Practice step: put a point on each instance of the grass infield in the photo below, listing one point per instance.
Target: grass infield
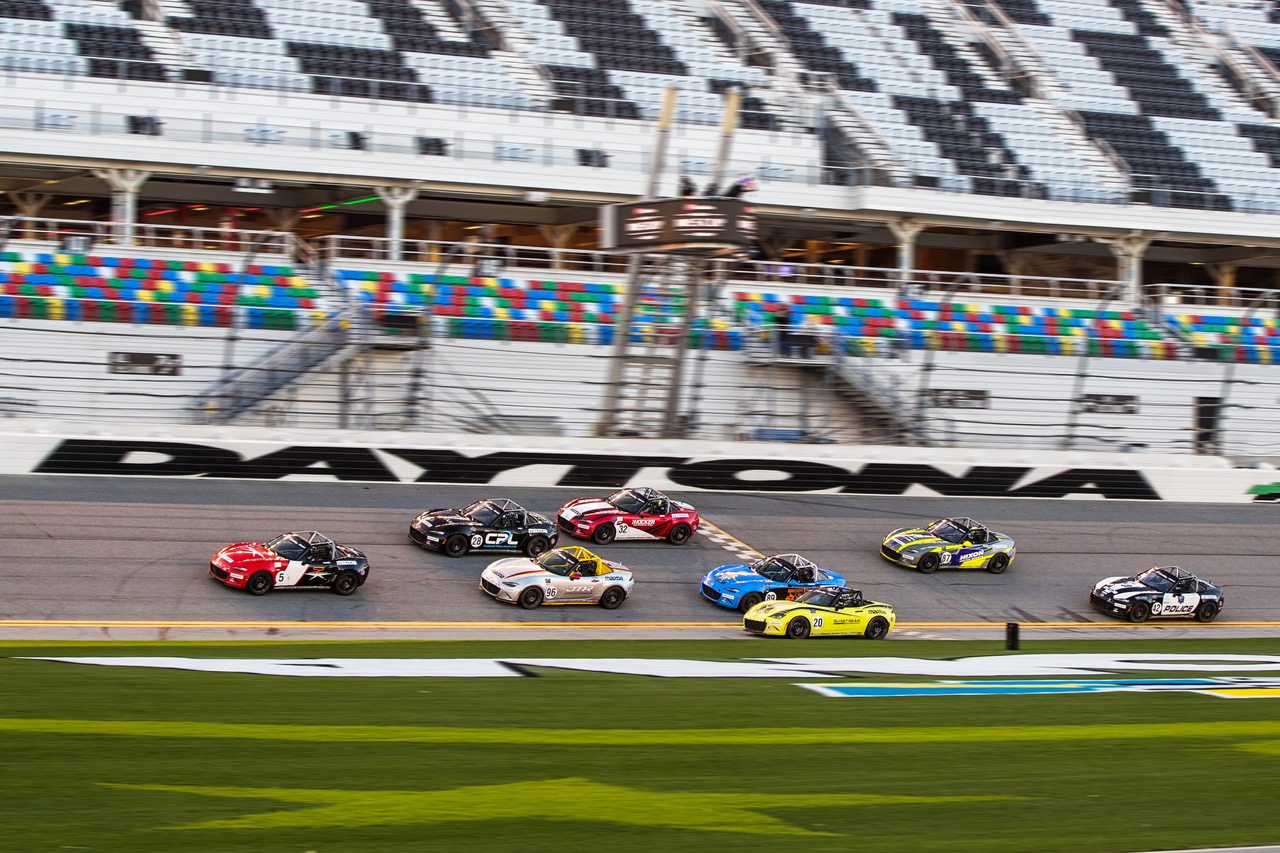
(140, 760)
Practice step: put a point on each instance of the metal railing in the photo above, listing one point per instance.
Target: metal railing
(155, 236)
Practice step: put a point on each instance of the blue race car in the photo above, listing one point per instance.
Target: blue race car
(778, 578)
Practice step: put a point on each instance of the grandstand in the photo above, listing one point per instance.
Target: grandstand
(350, 189)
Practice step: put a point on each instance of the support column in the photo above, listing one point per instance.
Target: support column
(1224, 276)
(906, 231)
(124, 184)
(1129, 252)
(282, 218)
(396, 199)
(29, 205)
(559, 236)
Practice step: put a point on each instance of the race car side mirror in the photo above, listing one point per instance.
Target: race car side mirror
(575, 576)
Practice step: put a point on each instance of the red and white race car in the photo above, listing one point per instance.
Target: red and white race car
(300, 560)
(629, 514)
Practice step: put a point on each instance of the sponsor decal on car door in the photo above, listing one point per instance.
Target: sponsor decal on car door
(290, 574)
(1176, 604)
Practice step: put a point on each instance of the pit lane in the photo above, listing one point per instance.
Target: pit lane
(97, 555)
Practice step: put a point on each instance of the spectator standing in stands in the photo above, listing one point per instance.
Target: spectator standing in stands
(687, 187)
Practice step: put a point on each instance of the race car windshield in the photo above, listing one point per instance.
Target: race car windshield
(818, 598)
(771, 569)
(946, 530)
(626, 501)
(557, 563)
(1157, 580)
(288, 546)
(481, 512)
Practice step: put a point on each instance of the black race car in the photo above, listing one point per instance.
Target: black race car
(1163, 592)
(487, 525)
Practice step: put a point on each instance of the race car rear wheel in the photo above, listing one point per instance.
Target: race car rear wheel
(749, 601)
(604, 534)
(877, 629)
(1207, 611)
(536, 545)
(929, 564)
(679, 534)
(798, 628)
(259, 583)
(530, 597)
(346, 583)
(612, 598)
(1140, 612)
(456, 546)
(998, 563)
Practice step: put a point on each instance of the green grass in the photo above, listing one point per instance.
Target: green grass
(140, 760)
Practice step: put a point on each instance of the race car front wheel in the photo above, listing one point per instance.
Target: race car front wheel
(877, 629)
(998, 563)
(456, 546)
(798, 628)
(679, 534)
(1140, 612)
(536, 545)
(345, 583)
(530, 598)
(929, 564)
(749, 601)
(1207, 611)
(612, 598)
(604, 534)
(259, 583)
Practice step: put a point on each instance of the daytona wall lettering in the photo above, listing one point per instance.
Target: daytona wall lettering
(366, 464)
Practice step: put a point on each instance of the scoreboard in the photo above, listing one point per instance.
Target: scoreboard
(694, 225)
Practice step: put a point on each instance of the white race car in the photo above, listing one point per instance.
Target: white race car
(570, 575)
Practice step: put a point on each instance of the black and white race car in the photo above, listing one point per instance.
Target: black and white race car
(486, 525)
(1163, 592)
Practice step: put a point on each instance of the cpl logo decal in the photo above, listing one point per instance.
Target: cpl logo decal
(476, 540)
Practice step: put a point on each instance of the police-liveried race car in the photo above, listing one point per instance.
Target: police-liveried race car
(1163, 592)
(641, 513)
(305, 560)
(956, 543)
(570, 575)
(827, 611)
(486, 525)
(782, 576)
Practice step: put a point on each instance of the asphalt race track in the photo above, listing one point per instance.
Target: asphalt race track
(114, 549)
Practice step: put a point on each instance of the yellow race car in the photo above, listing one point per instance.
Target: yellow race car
(829, 611)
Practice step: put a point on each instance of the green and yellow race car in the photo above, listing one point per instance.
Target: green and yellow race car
(828, 611)
(950, 543)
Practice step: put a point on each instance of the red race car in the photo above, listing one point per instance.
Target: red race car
(300, 560)
(629, 514)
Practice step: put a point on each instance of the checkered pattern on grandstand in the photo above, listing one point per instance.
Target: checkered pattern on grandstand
(1132, 70)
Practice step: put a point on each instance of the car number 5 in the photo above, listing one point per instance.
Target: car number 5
(279, 577)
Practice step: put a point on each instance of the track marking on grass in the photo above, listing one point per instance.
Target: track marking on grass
(637, 737)
(729, 542)
(577, 800)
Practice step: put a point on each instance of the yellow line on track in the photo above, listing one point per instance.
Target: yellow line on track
(901, 626)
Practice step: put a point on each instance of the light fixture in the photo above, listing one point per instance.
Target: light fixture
(313, 216)
(77, 201)
(252, 185)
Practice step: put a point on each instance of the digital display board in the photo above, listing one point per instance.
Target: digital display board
(678, 225)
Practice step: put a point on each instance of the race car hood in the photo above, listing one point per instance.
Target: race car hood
(247, 553)
(589, 508)
(345, 553)
(1119, 586)
(441, 518)
(908, 536)
(510, 567)
(735, 576)
(775, 609)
